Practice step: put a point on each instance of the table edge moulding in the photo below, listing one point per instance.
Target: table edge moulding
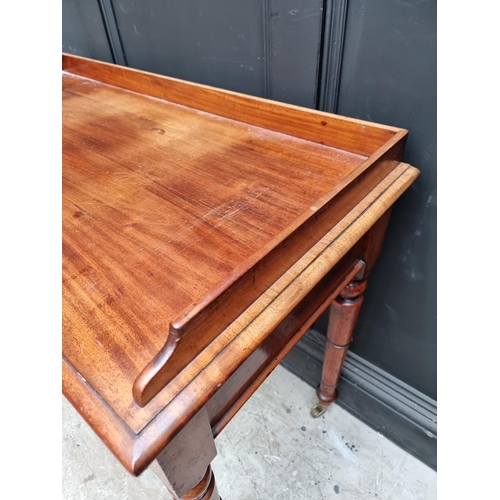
(204, 231)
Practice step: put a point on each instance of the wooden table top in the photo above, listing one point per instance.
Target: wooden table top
(182, 205)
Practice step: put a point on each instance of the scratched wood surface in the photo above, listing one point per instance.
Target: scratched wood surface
(160, 204)
(183, 205)
(173, 408)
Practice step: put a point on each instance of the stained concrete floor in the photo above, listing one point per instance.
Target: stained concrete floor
(272, 449)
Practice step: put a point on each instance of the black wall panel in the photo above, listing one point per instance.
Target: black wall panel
(369, 59)
(83, 31)
(217, 43)
(294, 47)
(389, 76)
(268, 49)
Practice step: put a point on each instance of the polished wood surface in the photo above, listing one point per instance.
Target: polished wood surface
(205, 490)
(343, 316)
(348, 134)
(203, 232)
(184, 464)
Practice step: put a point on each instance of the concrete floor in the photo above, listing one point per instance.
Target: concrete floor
(272, 449)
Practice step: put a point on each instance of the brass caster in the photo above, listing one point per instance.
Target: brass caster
(318, 410)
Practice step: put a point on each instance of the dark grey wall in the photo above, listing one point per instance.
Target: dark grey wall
(389, 76)
(374, 60)
(83, 31)
(249, 47)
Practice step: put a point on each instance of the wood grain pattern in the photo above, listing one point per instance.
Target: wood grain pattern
(343, 316)
(200, 380)
(206, 319)
(316, 126)
(203, 231)
(143, 222)
(252, 373)
(183, 464)
(218, 180)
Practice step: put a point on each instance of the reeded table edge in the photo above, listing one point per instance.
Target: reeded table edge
(157, 373)
(137, 451)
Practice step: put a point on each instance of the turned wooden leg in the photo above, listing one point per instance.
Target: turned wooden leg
(344, 313)
(184, 464)
(205, 490)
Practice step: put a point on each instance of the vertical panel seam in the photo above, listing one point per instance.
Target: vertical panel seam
(112, 32)
(332, 51)
(266, 20)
